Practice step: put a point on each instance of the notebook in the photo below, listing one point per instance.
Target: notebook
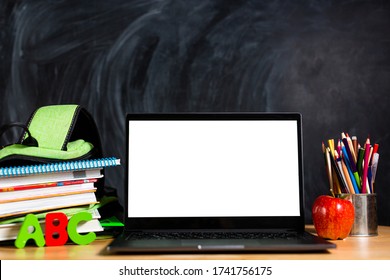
(214, 182)
(57, 166)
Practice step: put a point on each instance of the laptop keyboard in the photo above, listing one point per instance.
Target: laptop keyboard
(212, 235)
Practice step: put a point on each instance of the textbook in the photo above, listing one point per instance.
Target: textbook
(48, 203)
(45, 192)
(8, 183)
(55, 167)
(45, 185)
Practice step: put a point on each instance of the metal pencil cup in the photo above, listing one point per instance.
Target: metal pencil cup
(365, 223)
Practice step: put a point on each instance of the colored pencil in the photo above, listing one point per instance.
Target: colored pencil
(331, 146)
(328, 168)
(348, 143)
(365, 165)
(341, 186)
(347, 178)
(355, 145)
(359, 164)
(351, 167)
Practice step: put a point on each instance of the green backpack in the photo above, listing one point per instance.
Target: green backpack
(53, 133)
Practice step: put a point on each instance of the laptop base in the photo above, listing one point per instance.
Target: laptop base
(306, 242)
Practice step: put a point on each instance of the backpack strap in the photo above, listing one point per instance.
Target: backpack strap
(52, 125)
(62, 132)
(56, 125)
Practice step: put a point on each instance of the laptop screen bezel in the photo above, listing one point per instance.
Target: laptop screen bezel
(217, 223)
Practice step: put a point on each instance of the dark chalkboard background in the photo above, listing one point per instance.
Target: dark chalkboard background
(329, 60)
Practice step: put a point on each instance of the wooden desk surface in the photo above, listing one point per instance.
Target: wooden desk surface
(352, 248)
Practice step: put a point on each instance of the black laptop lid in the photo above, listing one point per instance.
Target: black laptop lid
(214, 171)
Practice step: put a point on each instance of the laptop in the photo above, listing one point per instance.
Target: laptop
(214, 182)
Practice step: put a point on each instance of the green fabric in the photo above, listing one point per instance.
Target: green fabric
(76, 149)
(51, 124)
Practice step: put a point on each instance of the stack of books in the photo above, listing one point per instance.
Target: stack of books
(68, 187)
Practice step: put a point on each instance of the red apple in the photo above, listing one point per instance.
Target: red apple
(333, 217)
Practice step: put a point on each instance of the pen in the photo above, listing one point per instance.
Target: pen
(375, 148)
(369, 178)
(374, 167)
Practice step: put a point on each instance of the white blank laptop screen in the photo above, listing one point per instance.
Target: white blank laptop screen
(223, 168)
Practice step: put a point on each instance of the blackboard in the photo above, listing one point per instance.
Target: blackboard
(329, 60)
